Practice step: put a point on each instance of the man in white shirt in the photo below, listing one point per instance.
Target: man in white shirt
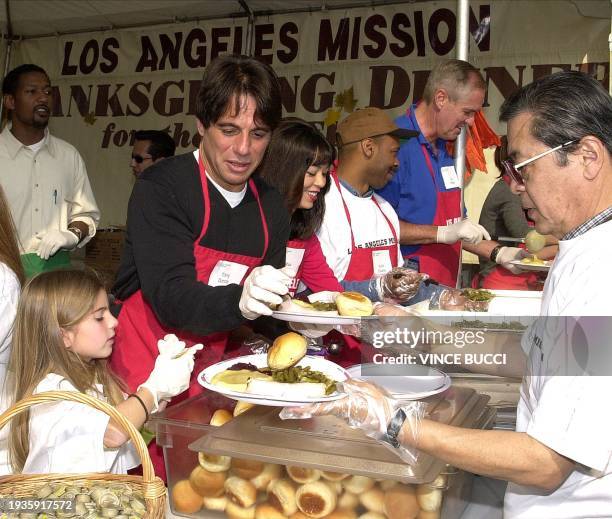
(44, 177)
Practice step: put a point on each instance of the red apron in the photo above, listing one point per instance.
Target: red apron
(361, 267)
(139, 330)
(439, 260)
(295, 258)
(502, 279)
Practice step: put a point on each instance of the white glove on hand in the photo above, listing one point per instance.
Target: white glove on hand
(55, 240)
(465, 230)
(171, 373)
(264, 287)
(508, 254)
(171, 346)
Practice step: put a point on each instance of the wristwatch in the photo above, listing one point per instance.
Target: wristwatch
(494, 253)
(394, 427)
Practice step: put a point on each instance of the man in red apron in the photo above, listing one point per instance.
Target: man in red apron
(426, 192)
(199, 229)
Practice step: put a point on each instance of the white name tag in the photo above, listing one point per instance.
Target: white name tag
(226, 273)
(381, 262)
(450, 177)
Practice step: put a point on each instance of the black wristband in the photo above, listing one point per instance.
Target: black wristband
(144, 407)
(394, 427)
(494, 253)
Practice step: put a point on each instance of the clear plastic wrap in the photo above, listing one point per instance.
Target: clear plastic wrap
(398, 285)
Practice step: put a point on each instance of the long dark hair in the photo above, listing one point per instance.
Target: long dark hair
(295, 146)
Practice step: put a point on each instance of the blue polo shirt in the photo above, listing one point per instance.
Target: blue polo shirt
(411, 191)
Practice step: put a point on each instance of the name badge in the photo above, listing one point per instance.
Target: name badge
(450, 177)
(381, 262)
(226, 273)
(293, 258)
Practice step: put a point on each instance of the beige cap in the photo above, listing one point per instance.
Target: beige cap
(369, 122)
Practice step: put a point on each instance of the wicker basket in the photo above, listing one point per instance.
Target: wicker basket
(27, 485)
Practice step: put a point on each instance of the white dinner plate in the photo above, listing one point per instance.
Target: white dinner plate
(416, 381)
(260, 360)
(316, 318)
(531, 266)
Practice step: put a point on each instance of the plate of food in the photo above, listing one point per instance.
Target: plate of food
(284, 376)
(332, 308)
(405, 382)
(533, 263)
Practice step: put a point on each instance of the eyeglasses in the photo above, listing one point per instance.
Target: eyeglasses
(512, 170)
(139, 159)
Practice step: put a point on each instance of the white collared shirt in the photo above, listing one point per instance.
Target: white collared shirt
(46, 189)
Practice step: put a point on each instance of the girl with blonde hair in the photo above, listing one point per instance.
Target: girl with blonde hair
(64, 334)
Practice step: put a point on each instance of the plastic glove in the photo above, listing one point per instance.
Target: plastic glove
(264, 287)
(171, 374)
(465, 230)
(398, 285)
(170, 345)
(54, 240)
(508, 254)
(369, 408)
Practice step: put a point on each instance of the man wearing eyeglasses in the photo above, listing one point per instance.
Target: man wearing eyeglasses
(426, 191)
(150, 146)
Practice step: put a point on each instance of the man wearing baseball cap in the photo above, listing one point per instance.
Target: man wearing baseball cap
(360, 231)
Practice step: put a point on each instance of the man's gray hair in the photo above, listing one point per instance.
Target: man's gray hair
(455, 76)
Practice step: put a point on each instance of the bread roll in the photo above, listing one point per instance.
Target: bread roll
(429, 515)
(336, 486)
(348, 501)
(220, 417)
(342, 513)
(302, 474)
(240, 491)
(269, 473)
(401, 503)
(373, 500)
(354, 304)
(298, 515)
(207, 484)
(267, 511)
(387, 484)
(358, 484)
(234, 511)
(241, 407)
(246, 469)
(214, 462)
(372, 515)
(185, 499)
(333, 476)
(281, 495)
(429, 499)
(316, 499)
(286, 351)
(215, 503)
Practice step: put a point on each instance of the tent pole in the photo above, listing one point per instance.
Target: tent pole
(463, 33)
(610, 47)
(250, 27)
(7, 54)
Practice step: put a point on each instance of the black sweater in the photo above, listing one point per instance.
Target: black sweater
(165, 217)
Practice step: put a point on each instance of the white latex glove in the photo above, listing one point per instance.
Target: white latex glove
(170, 346)
(508, 254)
(54, 240)
(264, 287)
(171, 374)
(465, 230)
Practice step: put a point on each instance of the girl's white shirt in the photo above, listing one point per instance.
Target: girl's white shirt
(69, 436)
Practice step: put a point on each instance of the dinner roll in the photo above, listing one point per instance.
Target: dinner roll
(286, 351)
(235, 511)
(298, 515)
(354, 304)
(372, 515)
(387, 484)
(342, 513)
(220, 417)
(333, 476)
(373, 500)
(267, 511)
(241, 407)
(348, 501)
(240, 491)
(281, 495)
(302, 474)
(215, 503)
(185, 499)
(401, 503)
(269, 473)
(316, 499)
(429, 515)
(429, 499)
(207, 484)
(246, 469)
(214, 462)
